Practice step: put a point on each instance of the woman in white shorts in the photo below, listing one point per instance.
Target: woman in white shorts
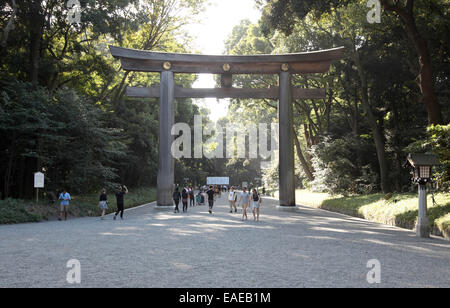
(256, 203)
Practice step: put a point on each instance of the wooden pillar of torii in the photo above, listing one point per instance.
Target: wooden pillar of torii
(283, 65)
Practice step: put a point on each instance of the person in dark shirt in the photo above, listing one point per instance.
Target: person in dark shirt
(123, 190)
(211, 196)
(202, 196)
(103, 202)
(191, 196)
(176, 199)
(256, 204)
(185, 198)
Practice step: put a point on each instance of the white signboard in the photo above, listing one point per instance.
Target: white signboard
(38, 180)
(218, 181)
(245, 184)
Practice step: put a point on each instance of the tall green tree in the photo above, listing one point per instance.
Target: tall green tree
(283, 15)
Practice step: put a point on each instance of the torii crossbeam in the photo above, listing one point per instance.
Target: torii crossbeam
(284, 65)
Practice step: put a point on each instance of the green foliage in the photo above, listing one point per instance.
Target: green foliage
(283, 14)
(62, 104)
(13, 211)
(338, 169)
(65, 137)
(357, 137)
(16, 211)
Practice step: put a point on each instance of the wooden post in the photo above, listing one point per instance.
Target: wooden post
(286, 145)
(166, 168)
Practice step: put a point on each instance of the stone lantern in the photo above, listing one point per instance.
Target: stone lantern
(422, 165)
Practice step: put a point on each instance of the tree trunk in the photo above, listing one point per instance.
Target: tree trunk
(375, 128)
(305, 165)
(120, 91)
(36, 32)
(9, 26)
(425, 77)
(8, 172)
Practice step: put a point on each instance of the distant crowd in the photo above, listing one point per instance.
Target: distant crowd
(189, 197)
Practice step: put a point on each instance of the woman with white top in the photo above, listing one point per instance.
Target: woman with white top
(232, 196)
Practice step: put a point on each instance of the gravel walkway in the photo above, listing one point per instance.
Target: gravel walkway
(156, 248)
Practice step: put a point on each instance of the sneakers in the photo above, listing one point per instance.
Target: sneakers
(114, 217)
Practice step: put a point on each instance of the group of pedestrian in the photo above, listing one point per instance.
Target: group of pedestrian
(247, 199)
(122, 190)
(188, 197)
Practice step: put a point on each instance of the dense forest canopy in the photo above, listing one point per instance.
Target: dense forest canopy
(381, 98)
(63, 108)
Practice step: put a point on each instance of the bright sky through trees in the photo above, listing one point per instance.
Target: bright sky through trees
(216, 23)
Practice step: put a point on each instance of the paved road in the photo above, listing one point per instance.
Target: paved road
(154, 248)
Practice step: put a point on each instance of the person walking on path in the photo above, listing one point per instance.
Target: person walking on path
(232, 196)
(184, 198)
(211, 198)
(217, 191)
(123, 190)
(245, 199)
(65, 198)
(256, 203)
(202, 197)
(176, 199)
(198, 197)
(191, 196)
(103, 202)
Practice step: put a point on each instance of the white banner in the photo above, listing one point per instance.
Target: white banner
(218, 181)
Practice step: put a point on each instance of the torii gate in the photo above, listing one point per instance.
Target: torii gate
(284, 65)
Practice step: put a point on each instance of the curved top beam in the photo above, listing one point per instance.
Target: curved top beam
(148, 61)
(321, 55)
